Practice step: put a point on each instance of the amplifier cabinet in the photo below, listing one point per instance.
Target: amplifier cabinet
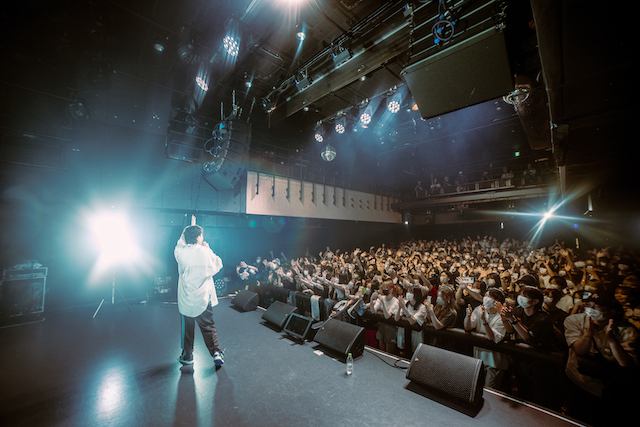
(20, 297)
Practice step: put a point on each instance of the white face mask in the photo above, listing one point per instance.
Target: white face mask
(523, 301)
(491, 282)
(593, 314)
(440, 301)
(488, 303)
(409, 296)
(562, 273)
(543, 271)
(548, 300)
(443, 279)
(579, 264)
(569, 284)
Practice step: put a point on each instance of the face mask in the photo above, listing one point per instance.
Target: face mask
(543, 271)
(553, 287)
(514, 276)
(569, 284)
(622, 267)
(488, 303)
(306, 273)
(593, 314)
(579, 264)
(562, 273)
(491, 282)
(443, 279)
(523, 301)
(548, 300)
(440, 301)
(409, 296)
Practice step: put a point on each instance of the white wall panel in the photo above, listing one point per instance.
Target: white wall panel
(276, 195)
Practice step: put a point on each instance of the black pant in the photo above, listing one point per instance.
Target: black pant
(209, 331)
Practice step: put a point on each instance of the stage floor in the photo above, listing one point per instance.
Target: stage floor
(121, 369)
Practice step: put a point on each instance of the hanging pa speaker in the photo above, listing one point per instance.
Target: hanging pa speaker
(458, 376)
(445, 82)
(278, 313)
(341, 338)
(246, 300)
(226, 171)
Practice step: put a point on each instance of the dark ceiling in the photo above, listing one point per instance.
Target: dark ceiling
(48, 46)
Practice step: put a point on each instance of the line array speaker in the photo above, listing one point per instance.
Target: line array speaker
(231, 154)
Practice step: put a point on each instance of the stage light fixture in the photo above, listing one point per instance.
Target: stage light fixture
(393, 106)
(202, 83)
(341, 125)
(319, 133)
(231, 45)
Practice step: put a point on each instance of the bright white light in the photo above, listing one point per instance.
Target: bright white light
(231, 45)
(394, 106)
(548, 215)
(319, 137)
(340, 128)
(365, 118)
(113, 237)
(301, 35)
(203, 85)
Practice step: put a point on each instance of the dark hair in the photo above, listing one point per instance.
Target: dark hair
(482, 285)
(418, 295)
(532, 292)
(496, 294)
(560, 281)
(191, 234)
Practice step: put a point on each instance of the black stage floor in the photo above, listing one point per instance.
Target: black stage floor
(121, 369)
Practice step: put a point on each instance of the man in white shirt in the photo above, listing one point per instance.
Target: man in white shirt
(197, 264)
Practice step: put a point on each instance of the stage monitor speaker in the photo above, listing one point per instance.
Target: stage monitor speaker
(298, 326)
(341, 337)
(458, 376)
(246, 300)
(278, 313)
(473, 71)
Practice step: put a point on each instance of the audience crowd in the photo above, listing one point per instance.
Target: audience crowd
(583, 307)
(535, 173)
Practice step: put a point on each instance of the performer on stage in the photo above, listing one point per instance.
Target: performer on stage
(197, 264)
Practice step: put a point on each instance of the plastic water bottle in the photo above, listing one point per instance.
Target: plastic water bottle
(349, 364)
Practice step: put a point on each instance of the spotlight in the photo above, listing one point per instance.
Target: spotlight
(319, 134)
(328, 153)
(366, 113)
(203, 84)
(231, 45)
(301, 35)
(393, 106)
(341, 125)
(365, 118)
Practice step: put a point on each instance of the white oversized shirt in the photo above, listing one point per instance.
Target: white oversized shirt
(197, 265)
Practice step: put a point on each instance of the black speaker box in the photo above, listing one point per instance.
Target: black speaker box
(278, 313)
(446, 81)
(455, 375)
(341, 338)
(232, 152)
(246, 300)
